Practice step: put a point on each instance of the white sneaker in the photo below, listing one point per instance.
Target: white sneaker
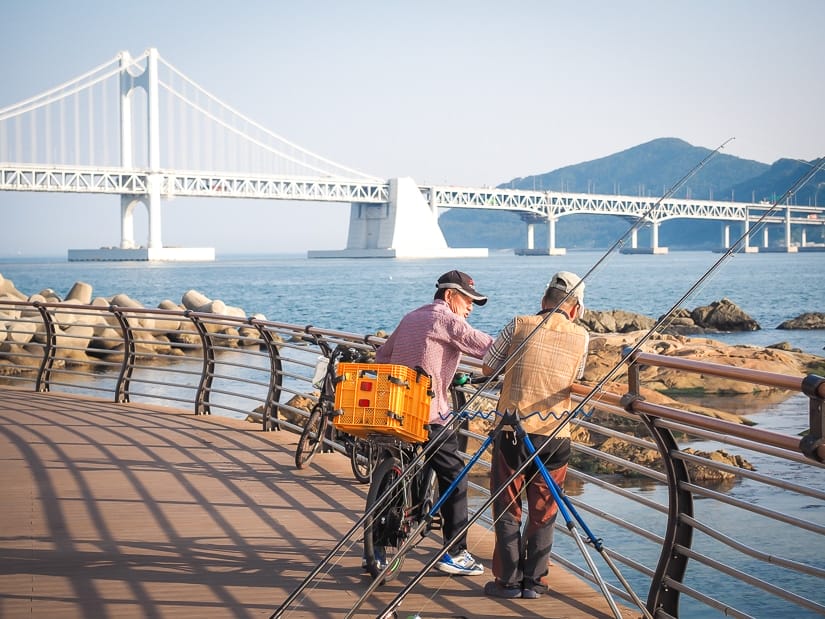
(462, 565)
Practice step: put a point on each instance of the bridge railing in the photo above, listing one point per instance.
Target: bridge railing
(699, 530)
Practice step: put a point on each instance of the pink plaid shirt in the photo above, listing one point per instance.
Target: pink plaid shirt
(432, 337)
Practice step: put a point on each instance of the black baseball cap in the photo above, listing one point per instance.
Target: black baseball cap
(463, 283)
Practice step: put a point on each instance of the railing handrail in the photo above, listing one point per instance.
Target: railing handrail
(721, 426)
(750, 375)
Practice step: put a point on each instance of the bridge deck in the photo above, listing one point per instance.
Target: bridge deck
(130, 510)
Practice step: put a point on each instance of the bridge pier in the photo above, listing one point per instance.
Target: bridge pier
(747, 247)
(551, 238)
(155, 240)
(654, 242)
(127, 221)
(152, 203)
(531, 219)
(405, 227)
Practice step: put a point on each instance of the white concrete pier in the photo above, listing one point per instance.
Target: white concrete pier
(143, 254)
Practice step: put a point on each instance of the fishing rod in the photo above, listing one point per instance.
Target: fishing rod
(563, 504)
(384, 498)
(616, 245)
(816, 166)
(453, 424)
(412, 538)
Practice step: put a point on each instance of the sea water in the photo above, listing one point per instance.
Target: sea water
(363, 296)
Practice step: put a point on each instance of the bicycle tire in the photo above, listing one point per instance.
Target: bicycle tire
(312, 435)
(363, 456)
(385, 529)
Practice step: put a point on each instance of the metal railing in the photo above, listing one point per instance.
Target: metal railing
(701, 533)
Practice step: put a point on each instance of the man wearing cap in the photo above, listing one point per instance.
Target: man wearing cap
(541, 356)
(433, 337)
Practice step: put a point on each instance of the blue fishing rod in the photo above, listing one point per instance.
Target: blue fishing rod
(454, 424)
(563, 502)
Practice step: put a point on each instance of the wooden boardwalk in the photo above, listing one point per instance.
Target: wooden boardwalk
(129, 510)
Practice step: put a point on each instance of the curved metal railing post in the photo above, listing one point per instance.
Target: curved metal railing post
(671, 565)
(208, 371)
(813, 443)
(44, 372)
(326, 350)
(273, 396)
(127, 366)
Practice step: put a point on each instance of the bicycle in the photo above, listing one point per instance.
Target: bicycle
(363, 457)
(388, 525)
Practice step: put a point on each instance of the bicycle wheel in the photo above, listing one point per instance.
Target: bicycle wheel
(363, 456)
(386, 528)
(312, 435)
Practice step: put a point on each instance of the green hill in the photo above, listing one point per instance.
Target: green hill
(649, 169)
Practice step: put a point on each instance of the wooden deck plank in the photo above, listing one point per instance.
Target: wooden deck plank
(131, 510)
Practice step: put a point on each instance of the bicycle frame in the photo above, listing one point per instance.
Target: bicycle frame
(404, 508)
(318, 433)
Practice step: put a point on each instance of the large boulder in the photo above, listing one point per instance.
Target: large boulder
(615, 321)
(168, 324)
(199, 302)
(808, 320)
(80, 293)
(723, 315)
(7, 289)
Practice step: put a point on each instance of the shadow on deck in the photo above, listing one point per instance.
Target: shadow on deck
(131, 510)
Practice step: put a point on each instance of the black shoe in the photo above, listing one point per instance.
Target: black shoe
(493, 589)
(530, 594)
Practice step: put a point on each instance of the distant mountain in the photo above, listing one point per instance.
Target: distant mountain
(649, 169)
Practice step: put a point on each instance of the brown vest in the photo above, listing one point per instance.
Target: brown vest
(539, 378)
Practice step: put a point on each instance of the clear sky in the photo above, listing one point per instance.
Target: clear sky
(448, 92)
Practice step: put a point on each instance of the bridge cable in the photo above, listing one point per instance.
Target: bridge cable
(254, 124)
(70, 82)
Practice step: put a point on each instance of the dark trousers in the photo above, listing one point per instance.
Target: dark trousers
(447, 464)
(520, 558)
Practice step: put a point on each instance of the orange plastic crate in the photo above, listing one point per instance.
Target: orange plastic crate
(384, 398)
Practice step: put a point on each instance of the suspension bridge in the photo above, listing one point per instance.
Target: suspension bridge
(138, 128)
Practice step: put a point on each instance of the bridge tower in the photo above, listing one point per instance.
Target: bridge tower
(132, 78)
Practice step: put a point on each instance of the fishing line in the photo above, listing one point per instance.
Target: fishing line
(627, 354)
(515, 355)
(453, 424)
